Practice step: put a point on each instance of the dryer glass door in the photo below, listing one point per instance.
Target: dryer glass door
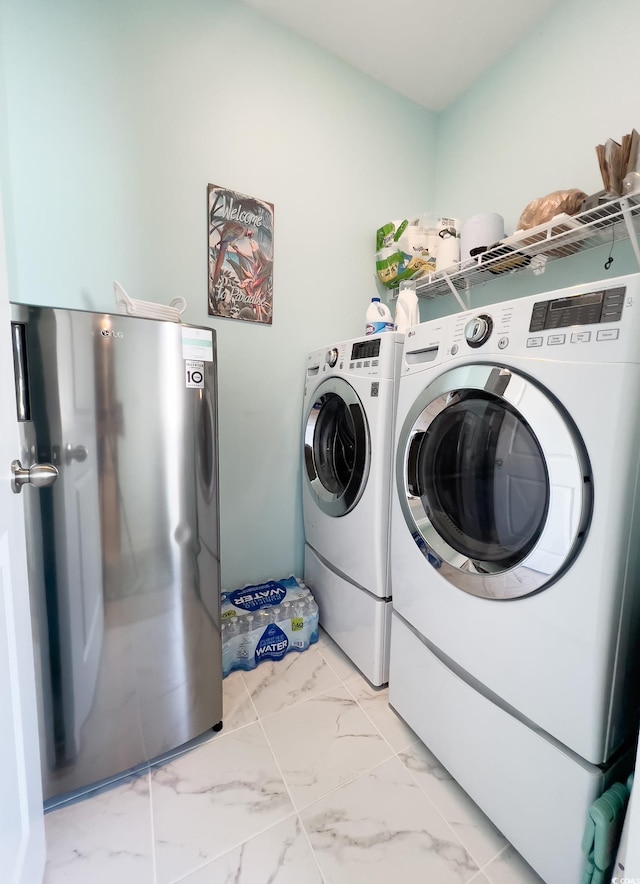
(336, 447)
(494, 481)
(483, 473)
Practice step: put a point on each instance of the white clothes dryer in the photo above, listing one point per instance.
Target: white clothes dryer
(348, 424)
(515, 555)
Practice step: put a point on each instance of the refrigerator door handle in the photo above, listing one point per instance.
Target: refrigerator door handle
(39, 474)
(20, 371)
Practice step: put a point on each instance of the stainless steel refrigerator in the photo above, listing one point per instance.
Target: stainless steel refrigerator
(122, 536)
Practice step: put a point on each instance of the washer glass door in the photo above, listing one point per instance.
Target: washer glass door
(336, 447)
(494, 481)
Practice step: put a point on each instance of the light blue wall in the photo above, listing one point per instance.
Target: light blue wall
(118, 119)
(119, 115)
(530, 125)
(5, 174)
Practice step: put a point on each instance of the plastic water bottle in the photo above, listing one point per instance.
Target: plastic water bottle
(231, 627)
(244, 647)
(311, 621)
(263, 619)
(230, 631)
(298, 609)
(378, 318)
(313, 607)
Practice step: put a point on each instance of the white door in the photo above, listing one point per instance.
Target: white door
(494, 481)
(22, 847)
(336, 447)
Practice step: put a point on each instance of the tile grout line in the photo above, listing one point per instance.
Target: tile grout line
(485, 867)
(175, 757)
(322, 798)
(241, 843)
(297, 812)
(328, 662)
(348, 782)
(369, 718)
(299, 701)
(309, 699)
(443, 818)
(318, 696)
(341, 684)
(409, 745)
(248, 692)
(284, 782)
(230, 848)
(396, 754)
(477, 877)
(481, 867)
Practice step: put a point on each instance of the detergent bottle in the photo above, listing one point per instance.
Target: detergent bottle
(407, 310)
(378, 317)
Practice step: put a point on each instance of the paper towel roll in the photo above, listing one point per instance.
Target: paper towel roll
(448, 249)
(448, 224)
(432, 241)
(414, 240)
(480, 231)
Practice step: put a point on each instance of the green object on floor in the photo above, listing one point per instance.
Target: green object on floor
(602, 833)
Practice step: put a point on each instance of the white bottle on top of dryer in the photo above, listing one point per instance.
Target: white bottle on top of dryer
(378, 317)
(407, 309)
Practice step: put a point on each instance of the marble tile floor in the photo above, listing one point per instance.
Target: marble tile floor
(313, 779)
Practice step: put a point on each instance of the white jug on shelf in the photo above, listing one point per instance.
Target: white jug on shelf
(407, 309)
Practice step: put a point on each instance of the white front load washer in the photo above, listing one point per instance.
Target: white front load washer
(347, 433)
(515, 554)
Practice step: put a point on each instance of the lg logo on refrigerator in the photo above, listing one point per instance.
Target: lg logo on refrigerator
(111, 334)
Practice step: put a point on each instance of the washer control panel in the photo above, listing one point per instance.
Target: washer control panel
(588, 309)
(371, 356)
(589, 322)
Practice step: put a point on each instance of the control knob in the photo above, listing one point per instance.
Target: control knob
(478, 329)
(332, 356)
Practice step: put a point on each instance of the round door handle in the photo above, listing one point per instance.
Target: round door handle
(39, 474)
(78, 452)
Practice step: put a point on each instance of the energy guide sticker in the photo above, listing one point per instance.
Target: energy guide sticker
(197, 343)
(194, 373)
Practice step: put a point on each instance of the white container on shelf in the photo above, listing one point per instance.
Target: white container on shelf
(407, 309)
(448, 252)
(480, 231)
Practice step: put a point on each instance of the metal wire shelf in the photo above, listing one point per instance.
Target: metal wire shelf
(613, 221)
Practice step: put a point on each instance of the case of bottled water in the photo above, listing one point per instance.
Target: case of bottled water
(265, 621)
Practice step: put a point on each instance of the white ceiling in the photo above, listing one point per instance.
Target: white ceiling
(429, 50)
